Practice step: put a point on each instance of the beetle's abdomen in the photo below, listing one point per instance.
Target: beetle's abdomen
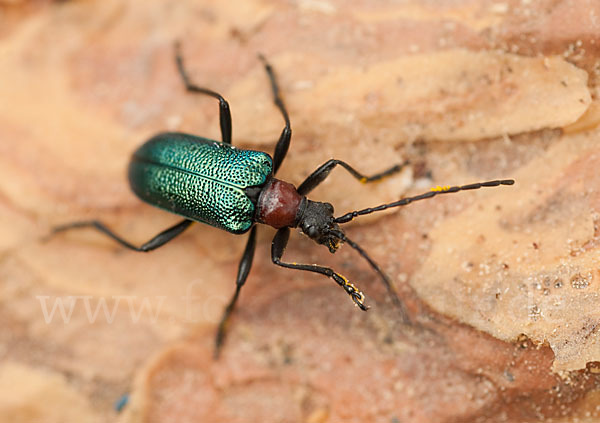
(200, 179)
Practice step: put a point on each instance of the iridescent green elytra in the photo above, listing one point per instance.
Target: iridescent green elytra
(200, 179)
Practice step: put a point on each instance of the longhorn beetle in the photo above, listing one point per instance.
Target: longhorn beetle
(218, 184)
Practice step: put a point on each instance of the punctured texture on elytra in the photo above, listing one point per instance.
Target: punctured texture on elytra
(200, 179)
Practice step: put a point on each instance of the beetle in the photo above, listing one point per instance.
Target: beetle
(233, 189)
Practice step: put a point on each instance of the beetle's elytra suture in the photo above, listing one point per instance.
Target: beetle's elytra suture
(232, 189)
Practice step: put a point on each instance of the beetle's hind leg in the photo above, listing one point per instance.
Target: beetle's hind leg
(224, 111)
(154, 243)
(278, 247)
(283, 144)
(243, 271)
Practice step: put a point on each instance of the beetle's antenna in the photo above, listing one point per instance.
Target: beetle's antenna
(386, 281)
(434, 191)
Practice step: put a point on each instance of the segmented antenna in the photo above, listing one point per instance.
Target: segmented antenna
(434, 191)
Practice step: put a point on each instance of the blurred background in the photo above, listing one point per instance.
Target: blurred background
(503, 283)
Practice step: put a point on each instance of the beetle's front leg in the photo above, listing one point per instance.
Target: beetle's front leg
(323, 171)
(277, 248)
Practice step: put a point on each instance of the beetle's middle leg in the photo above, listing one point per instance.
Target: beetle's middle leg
(224, 111)
(243, 271)
(286, 134)
(323, 171)
(156, 242)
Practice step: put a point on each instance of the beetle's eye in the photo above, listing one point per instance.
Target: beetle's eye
(312, 231)
(329, 208)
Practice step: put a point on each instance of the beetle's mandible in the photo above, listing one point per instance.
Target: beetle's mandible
(233, 189)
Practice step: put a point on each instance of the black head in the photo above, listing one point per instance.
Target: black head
(317, 222)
